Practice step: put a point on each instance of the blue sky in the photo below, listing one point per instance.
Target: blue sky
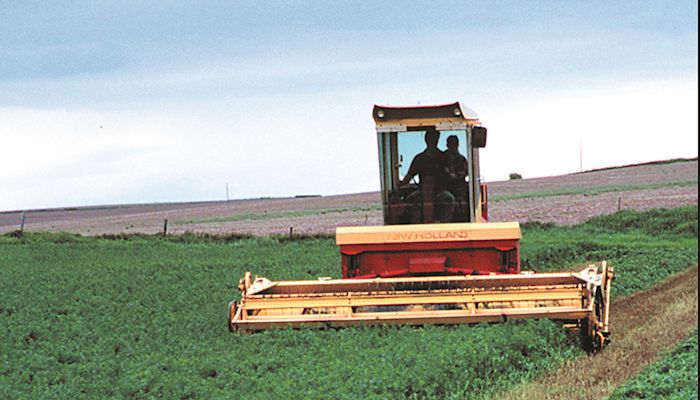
(127, 102)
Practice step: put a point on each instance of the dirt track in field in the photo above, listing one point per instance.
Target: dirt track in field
(643, 325)
(633, 187)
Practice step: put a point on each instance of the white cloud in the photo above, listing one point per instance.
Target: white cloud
(542, 136)
(278, 146)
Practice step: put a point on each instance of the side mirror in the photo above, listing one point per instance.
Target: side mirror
(478, 136)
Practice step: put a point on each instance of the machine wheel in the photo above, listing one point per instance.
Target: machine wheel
(592, 339)
(599, 339)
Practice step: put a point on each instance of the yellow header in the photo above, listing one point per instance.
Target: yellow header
(427, 233)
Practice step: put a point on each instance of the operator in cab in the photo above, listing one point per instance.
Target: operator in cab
(431, 167)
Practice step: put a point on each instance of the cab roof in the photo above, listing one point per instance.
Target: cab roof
(451, 111)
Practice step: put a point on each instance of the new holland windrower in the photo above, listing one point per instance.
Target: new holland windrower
(437, 259)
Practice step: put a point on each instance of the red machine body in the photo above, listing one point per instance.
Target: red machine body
(437, 249)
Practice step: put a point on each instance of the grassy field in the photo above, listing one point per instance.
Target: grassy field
(592, 191)
(278, 214)
(143, 317)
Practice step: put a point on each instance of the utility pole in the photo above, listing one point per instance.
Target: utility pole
(227, 199)
(580, 155)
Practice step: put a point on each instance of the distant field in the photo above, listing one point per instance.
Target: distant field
(565, 199)
(145, 317)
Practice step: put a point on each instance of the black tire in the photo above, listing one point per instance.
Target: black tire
(585, 339)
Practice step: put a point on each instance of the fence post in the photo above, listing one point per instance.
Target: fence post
(21, 227)
(619, 203)
(291, 231)
(165, 227)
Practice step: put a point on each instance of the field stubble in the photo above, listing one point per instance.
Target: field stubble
(566, 199)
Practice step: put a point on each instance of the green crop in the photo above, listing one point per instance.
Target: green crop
(643, 247)
(674, 376)
(142, 317)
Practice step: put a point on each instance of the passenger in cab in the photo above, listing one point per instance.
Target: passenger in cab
(456, 169)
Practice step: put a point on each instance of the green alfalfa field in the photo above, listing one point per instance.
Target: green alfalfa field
(145, 317)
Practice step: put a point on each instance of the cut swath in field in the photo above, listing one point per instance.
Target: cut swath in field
(675, 375)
